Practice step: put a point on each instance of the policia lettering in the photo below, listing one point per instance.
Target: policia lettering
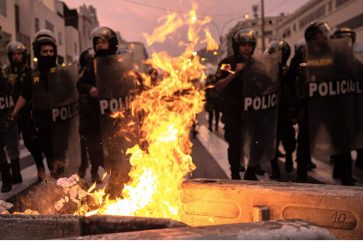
(65, 112)
(334, 88)
(259, 103)
(6, 102)
(115, 104)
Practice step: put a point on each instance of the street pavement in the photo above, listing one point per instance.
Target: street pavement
(210, 157)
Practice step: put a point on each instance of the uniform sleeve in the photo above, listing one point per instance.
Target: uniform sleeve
(220, 74)
(86, 79)
(26, 92)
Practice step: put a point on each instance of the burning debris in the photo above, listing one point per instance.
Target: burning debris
(4, 207)
(162, 158)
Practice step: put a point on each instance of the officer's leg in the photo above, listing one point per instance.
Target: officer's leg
(12, 148)
(5, 170)
(95, 156)
(303, 151)
(259, 140)
(232, 135)
(84, 157)
(275, 169)
(343, 162)
(217, 114)
(289, 143)
(359, 161)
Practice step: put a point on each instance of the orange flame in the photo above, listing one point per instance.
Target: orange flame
(162, 159)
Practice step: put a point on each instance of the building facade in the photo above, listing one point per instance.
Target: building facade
(7, 27)
(256, 25)
(338, 13)
(87, 22)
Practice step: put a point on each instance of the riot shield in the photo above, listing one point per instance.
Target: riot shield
(55, 103)
(259, 116)
(119, 129)
(7, 104)
(330, 97)
(358, 77)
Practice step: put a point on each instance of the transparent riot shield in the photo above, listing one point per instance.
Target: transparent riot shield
(7, 104)
(116, 86)
(259, 116)
(358, 77)
(55, 104)
(330, 97)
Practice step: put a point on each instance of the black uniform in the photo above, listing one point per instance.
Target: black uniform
(90, 118)
(212, 104)
(23, 87)
(4, 112)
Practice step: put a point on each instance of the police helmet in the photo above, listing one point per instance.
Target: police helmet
(344, 32)
(86, 57)
(44, 37)
(279, 46)
(15, 46)
(314, 28)
(105, 33)
(244, 36)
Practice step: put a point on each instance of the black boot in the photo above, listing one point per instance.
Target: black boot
(251, 173)
(311, 165)
(82, 172)
(301, 172)
(275, 170)
(16, 175)
(347, 177)
(6, 177)
(260, 171)
(359, 161)
(289, 166)
(41, 174)
(94, 175)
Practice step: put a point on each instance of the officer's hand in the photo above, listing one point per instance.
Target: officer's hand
(93, 92)
(239, 67)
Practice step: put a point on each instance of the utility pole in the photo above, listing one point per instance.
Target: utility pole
(263, 24)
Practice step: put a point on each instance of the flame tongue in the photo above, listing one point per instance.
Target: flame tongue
(162, 159)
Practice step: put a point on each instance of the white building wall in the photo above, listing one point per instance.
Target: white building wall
(36, 11)
(8, 32)
(72, 44)
(332, 14)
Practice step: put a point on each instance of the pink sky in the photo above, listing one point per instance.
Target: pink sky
(133, 17)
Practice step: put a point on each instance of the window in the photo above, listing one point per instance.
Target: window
(17, 18)
(312, 17)
(37, 28)
(353, 23)
(340, 2)
(330, 6)
(49, 26)
(60, 40)
(3, 8)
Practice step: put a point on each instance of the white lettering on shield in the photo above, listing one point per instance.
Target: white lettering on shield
(334, 88)
(6, 102)
(259, 103)
(65, 112)
(115, 104)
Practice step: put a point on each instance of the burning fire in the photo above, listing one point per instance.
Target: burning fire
(162, 159)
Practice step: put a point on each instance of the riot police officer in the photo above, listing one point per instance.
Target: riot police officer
(232, 77)
(20, 73)
(4, 111)
(45, 52)
(15, 53)
(350, 34)
(285, 129)
(323, 64)
(85, 59)
(105, 43)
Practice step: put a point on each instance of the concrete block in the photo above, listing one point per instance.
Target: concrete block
(337, 208)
